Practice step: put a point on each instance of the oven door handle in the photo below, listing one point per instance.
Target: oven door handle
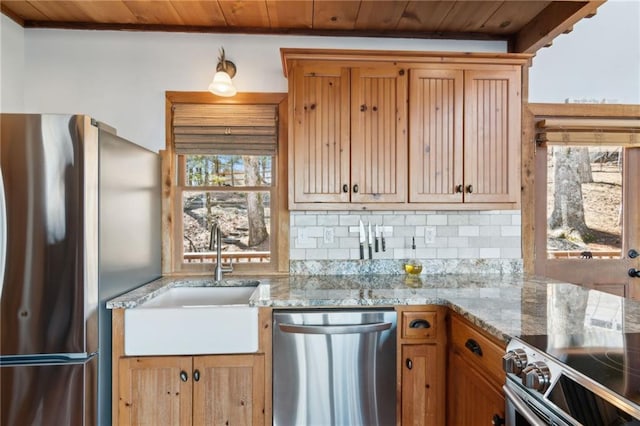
(522, 408)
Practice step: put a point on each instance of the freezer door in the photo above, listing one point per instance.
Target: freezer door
(49, 288)
(49, 394)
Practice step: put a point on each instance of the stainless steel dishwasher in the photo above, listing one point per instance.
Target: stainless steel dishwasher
(334, 367)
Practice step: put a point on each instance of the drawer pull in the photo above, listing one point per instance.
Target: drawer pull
(409, 363)
(419, 323)
(183, 376)
(473, 346)
(196, 375)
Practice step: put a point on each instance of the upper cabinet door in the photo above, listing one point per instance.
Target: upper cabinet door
(435, 148)
(320, 145)
(492, 123)
(378, 134)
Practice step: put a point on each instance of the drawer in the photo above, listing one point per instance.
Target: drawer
(419, 325)
(477, 349)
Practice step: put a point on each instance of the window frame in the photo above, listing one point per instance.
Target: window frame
(173, 188)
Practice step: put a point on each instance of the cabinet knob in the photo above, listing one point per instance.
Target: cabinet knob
(459, 188)
(345, 188)
(409, 363)
(419, 323)
(497, 420)
(355, 188)
(469, 189)
(401, 72)
(183, 376)
(363, 108)
(474, 347)
(196, 375)
(375, 108)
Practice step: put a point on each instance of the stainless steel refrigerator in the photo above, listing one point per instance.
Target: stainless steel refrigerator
(79, 224)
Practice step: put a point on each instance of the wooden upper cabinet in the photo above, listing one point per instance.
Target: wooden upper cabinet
(435, 153)
(492, 135)
(465, 136)
(349, 133)
(404, 130)
(378, 134)
(321, 125)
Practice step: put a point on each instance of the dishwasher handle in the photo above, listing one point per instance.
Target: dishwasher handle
(335, 329)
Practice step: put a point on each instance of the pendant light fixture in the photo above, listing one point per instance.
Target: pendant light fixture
(221, 84)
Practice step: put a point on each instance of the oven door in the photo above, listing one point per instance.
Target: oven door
(524, 409)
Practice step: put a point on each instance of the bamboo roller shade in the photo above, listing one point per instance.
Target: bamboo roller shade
(589, 131)
(225, 129)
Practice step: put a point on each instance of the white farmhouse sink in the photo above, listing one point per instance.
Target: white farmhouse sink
(191, 321)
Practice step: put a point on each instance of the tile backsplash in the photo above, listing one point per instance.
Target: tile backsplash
(327, 241)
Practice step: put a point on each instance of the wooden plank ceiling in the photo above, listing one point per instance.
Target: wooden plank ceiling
(525, 25)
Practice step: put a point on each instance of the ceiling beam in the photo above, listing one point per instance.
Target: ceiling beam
(265, 31)
(554, 20)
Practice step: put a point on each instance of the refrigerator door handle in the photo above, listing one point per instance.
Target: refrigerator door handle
(3, 231)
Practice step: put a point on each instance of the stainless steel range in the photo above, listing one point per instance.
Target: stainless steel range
(588, 379)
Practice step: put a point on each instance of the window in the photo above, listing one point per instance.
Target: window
(225, 160)
(587, 160)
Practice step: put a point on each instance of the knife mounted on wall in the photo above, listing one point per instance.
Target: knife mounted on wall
(362, 240)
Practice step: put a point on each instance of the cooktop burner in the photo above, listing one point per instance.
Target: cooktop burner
(609, 358)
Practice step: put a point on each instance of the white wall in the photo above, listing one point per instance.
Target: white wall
(11, 66)
(121, 77)
(599, 59)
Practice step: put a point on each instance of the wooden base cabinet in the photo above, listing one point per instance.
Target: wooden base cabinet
(475, 376)
(421, 363)
(198, 390)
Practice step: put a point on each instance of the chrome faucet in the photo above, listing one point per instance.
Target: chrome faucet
(215, 243)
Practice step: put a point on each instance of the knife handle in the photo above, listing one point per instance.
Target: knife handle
(370, 252)
(384, 244)
(376, 245)
(361, 252)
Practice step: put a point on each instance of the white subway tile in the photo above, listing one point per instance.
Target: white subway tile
(457, 242)
(297, 254)
(426, 253)
(416, 219)
(316, 254)
(446, 231)
(395, 220)
(468, 253)
(479, 220)
(437, 219)
(314, 231)
(328, 220)
(490, 253)
(461, 219)
(516, 219)
(348, 220)
(468, 231)
(306, 243)
(446, 253)
(489, 231)
(509, 253)
(348, 242)
(501, 220)
(305, 220)
(510, 231)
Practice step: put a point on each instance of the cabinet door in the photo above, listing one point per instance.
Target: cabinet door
(378, 134)
(435, 150)
(320, 145)
(421, 400)
(155, 391)
(229, 391)
(472, 399)
(492, 125)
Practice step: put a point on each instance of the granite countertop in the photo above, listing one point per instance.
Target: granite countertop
(504, 305)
